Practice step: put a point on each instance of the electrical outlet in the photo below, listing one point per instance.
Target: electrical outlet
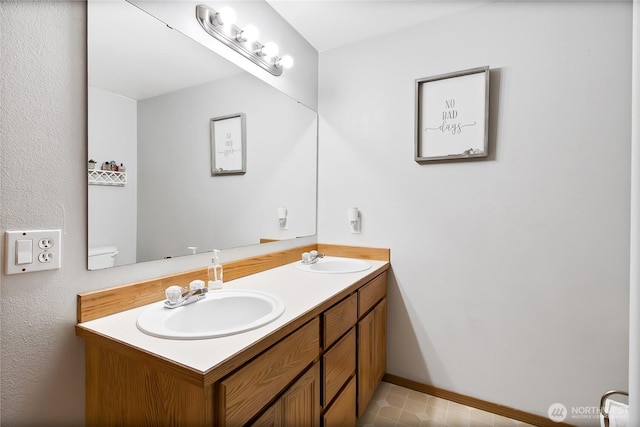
(32, 250)
(45, 256)
(45, 243)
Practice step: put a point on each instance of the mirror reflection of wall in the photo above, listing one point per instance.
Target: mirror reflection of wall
(171, 202)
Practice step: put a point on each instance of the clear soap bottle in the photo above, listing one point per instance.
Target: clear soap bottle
(214, 272)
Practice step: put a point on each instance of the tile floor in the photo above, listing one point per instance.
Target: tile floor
(398, 406)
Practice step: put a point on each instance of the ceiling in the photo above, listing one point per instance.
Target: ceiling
(130, 52)
(327, 24)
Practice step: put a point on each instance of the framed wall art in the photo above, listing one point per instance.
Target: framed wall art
(452, 116)
(228, 145)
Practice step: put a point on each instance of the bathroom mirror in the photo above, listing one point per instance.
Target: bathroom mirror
(152, 93)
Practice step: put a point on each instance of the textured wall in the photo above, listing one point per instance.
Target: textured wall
(43, 186)
(511, 275)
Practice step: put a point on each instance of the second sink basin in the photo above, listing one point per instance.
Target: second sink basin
(223, 312)
(335, 265)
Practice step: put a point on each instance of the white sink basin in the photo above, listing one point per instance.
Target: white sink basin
(222, 312)
(335, 265)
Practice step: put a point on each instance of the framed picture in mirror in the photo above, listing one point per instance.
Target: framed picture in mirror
(452, 116)
(228, 145)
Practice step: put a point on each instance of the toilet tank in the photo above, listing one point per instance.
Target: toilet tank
(102, 257)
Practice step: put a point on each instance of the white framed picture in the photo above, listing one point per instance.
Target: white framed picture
(228, 145)
(452, 116)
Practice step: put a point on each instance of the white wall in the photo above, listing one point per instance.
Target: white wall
(510, 275)
(281, 150)
(113, 207)
(43, 169)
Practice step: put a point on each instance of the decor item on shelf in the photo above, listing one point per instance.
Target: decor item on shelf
(228, 145)
(452, 116)
(221, 25)
(91, 164)
(106, 166)
(107, 177)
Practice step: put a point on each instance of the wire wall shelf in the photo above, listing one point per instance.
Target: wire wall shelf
(100, 177)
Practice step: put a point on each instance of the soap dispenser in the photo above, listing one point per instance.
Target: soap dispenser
(214, 272)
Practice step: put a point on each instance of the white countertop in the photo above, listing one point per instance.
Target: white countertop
(300, 290)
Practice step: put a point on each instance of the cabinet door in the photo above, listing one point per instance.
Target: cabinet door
(380, 325)
(372, 353)
(298, 406)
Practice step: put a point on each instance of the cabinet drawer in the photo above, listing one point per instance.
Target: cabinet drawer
(342, 412)
(339, 365)
(338, 319)
(246, 392)
(371, 293)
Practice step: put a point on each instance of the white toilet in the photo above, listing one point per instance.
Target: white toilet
(102, 257)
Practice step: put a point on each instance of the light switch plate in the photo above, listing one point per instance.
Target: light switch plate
(45, 251)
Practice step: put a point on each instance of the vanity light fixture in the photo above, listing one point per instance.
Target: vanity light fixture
(268, 49)
(285, 62)
(226, 16)
(249, 35)
(221, 25)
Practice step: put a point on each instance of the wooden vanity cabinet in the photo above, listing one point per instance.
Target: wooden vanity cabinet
(372, 339)
(320, 374)
(336, 390)
(354, 357)
(339, 362)
(124, 388)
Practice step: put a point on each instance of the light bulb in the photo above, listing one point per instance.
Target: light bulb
(270, 49)
(285, 62)
(226, 16)
(248, 35)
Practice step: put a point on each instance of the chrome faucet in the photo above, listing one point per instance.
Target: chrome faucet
(187, 298)
(311, 257)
